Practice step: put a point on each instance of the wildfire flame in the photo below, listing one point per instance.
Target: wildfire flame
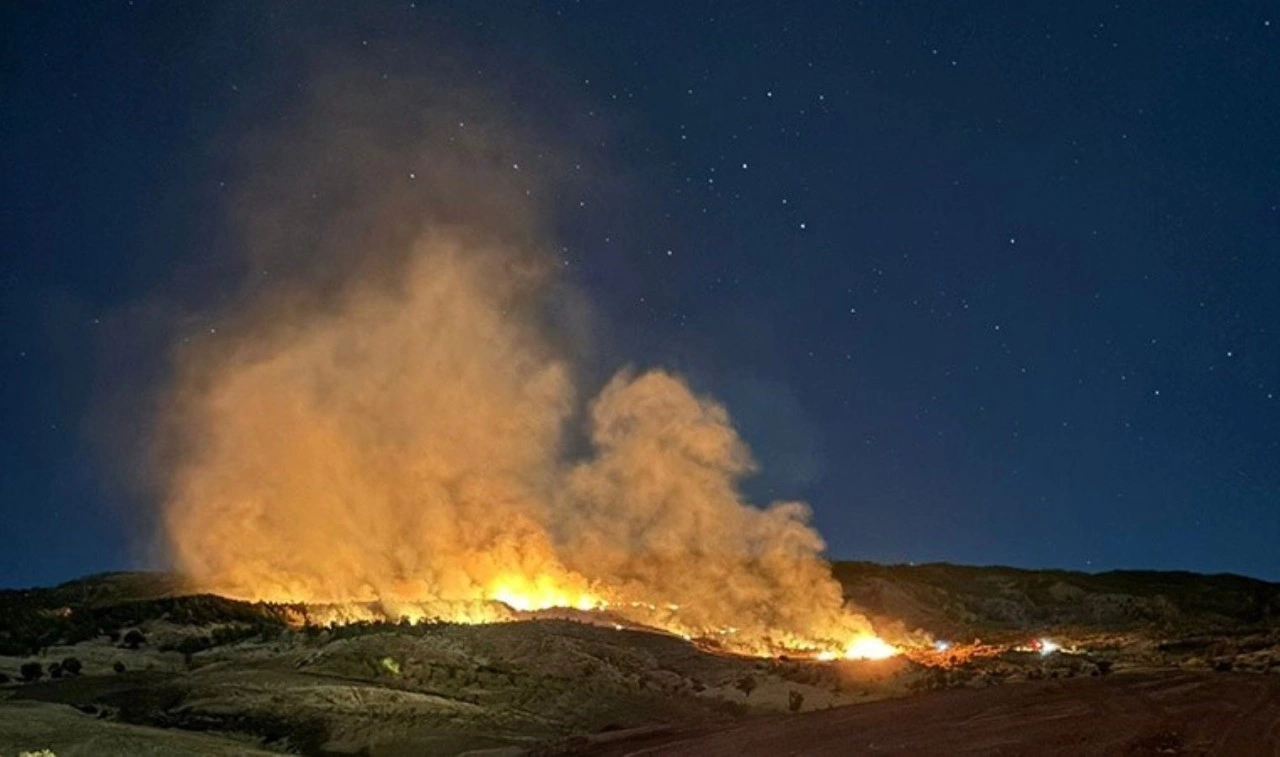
(869, 648)
(513, 597)
(541, 593)
(388, 424)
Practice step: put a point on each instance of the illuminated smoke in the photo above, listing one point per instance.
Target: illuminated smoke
(656, 513)
(381, 414)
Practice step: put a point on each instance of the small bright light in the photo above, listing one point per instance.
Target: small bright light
(941, 646)
(1048, 647)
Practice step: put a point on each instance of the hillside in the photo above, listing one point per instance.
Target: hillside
(161, 670)
(960, 600)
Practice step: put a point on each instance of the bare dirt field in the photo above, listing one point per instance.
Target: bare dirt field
(1135, 714)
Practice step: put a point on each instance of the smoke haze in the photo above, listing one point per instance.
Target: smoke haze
(385, 408)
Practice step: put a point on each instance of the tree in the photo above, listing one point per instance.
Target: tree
(192, 644)
(746, 685)
(31, 671)
(71, 666)
(134, 639)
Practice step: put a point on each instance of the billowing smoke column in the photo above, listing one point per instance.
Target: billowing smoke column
(381, 414)
(657, 514)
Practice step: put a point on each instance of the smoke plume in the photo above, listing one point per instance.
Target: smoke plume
(381, 412)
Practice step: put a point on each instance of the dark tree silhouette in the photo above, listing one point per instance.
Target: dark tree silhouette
(134, 639)
(31, 671)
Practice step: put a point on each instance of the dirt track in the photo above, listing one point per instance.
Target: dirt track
(1150, 714)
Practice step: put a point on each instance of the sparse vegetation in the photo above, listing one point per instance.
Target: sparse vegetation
(795, 700)
(34, 619)
(746, 685)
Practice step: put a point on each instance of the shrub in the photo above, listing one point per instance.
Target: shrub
(795, 700)
(55, 670)
(71, 666)
(4, 678)
(117, 666)
(746, 685)
(192, 644)
(31, 671)
(134, 639)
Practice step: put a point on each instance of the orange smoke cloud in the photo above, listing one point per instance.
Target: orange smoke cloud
(386, 423)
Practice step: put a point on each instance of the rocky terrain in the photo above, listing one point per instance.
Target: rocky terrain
(135, 663)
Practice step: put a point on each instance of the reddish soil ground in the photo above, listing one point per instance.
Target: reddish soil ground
(1234, 715)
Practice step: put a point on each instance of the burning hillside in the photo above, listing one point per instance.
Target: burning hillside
(392, 422)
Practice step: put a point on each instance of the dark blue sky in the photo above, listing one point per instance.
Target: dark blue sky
(982, 284)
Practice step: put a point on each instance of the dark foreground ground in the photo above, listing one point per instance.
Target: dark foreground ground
(1137, 714)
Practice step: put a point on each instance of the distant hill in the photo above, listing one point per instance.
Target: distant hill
(104, 589)
(951, 601)
(106, 603)
(959, 600)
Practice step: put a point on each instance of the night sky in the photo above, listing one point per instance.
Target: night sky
(983, 283)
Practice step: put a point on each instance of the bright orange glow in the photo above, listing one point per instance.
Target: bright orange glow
(869, 648)
(541, 593)
(511, 595)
